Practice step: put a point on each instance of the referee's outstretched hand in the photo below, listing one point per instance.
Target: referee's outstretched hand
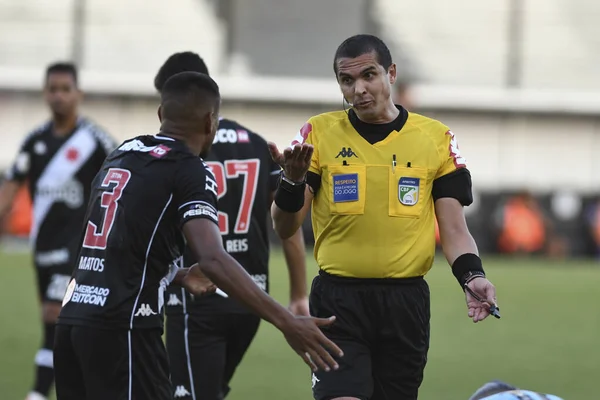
(478, 310)
(305, 337)
(295, 161)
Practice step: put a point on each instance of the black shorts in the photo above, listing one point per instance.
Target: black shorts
(52, 281)
(97, 364)
(382, 326)
(205, 350)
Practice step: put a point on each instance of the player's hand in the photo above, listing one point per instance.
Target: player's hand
(479, 311)
(197, 283)
(299, 307)
(295, 161)
(305, 337)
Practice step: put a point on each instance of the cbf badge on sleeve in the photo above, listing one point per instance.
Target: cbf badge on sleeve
(408, 191)
(345, 188)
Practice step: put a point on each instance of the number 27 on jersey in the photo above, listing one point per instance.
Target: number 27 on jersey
(233, 169)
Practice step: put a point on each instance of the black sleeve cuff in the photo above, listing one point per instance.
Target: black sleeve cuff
(289, 198)
(314, 181)
(466, 267)
(456, 185)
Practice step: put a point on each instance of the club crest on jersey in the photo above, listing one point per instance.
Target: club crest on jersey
(408, 191)
(345, 188)
(159, 151)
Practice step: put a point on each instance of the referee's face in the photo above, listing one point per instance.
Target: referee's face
(366, 85)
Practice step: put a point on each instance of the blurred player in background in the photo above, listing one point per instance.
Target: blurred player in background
(58, 160)
(403, 95)
(377, 176)
(497, 390)
(148, 192)
(207, 338)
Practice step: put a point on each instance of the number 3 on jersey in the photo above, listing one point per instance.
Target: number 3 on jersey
(108, 201)
(232, 169)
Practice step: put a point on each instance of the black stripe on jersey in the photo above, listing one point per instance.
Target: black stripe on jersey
(105, 140)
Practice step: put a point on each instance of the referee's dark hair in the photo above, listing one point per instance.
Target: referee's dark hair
(358, 45)
(176, 63)
(62, 68)
(188, 96)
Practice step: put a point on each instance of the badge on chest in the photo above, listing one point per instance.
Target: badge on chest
(345, 188)
(408, 191)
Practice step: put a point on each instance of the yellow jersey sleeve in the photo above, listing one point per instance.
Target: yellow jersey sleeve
(306, 134)
(450, 157)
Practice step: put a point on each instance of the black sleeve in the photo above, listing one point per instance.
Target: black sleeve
(195, 192)
(19, 170)
(106, 142)
(314, 181)
(456, 185)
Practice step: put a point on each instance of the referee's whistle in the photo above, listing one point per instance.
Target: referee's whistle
(494, 309)
(394, 163)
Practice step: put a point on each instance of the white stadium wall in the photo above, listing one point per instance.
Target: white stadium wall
(541, 152)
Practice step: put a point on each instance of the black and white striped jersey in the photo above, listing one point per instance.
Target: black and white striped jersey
(59, 172)
(132, 243)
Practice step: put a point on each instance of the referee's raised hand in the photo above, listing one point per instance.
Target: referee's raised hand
(295, 160)
(305, 337)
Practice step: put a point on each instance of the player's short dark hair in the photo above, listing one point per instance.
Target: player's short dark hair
(358, 45)
(62, 68)
(184, 93)
(176, 63)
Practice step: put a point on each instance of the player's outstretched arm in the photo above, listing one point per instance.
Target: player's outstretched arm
(302, 333)
(461, 251)
(295, 258)
(286, 223)
(293, 196)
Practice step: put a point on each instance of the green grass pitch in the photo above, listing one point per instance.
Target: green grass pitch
(548, 338)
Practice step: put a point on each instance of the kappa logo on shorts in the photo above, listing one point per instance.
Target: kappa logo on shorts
(408, 191)
(181, 391)
(174, 301)
(345, 188)
(144, 311)
(314, 380)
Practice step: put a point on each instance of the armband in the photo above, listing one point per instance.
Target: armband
(466, 268)
(289, 196)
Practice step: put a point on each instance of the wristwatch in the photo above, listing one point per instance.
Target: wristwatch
(288, 184)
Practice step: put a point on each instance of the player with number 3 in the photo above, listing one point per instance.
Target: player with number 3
(207, 337)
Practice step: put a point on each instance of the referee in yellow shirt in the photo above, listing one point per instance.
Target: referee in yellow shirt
(377, 176)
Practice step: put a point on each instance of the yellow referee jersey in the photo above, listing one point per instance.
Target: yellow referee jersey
(373, 216)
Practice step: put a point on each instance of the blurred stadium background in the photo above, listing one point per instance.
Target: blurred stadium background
(516, 80)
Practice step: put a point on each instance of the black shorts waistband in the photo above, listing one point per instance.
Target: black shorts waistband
(368, 281)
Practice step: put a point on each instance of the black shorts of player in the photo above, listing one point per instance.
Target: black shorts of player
(205, 350)
(52, 281)
(382, 326)
(100, 364)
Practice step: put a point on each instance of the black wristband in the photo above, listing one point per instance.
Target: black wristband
(467, 267)
(290, 198)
